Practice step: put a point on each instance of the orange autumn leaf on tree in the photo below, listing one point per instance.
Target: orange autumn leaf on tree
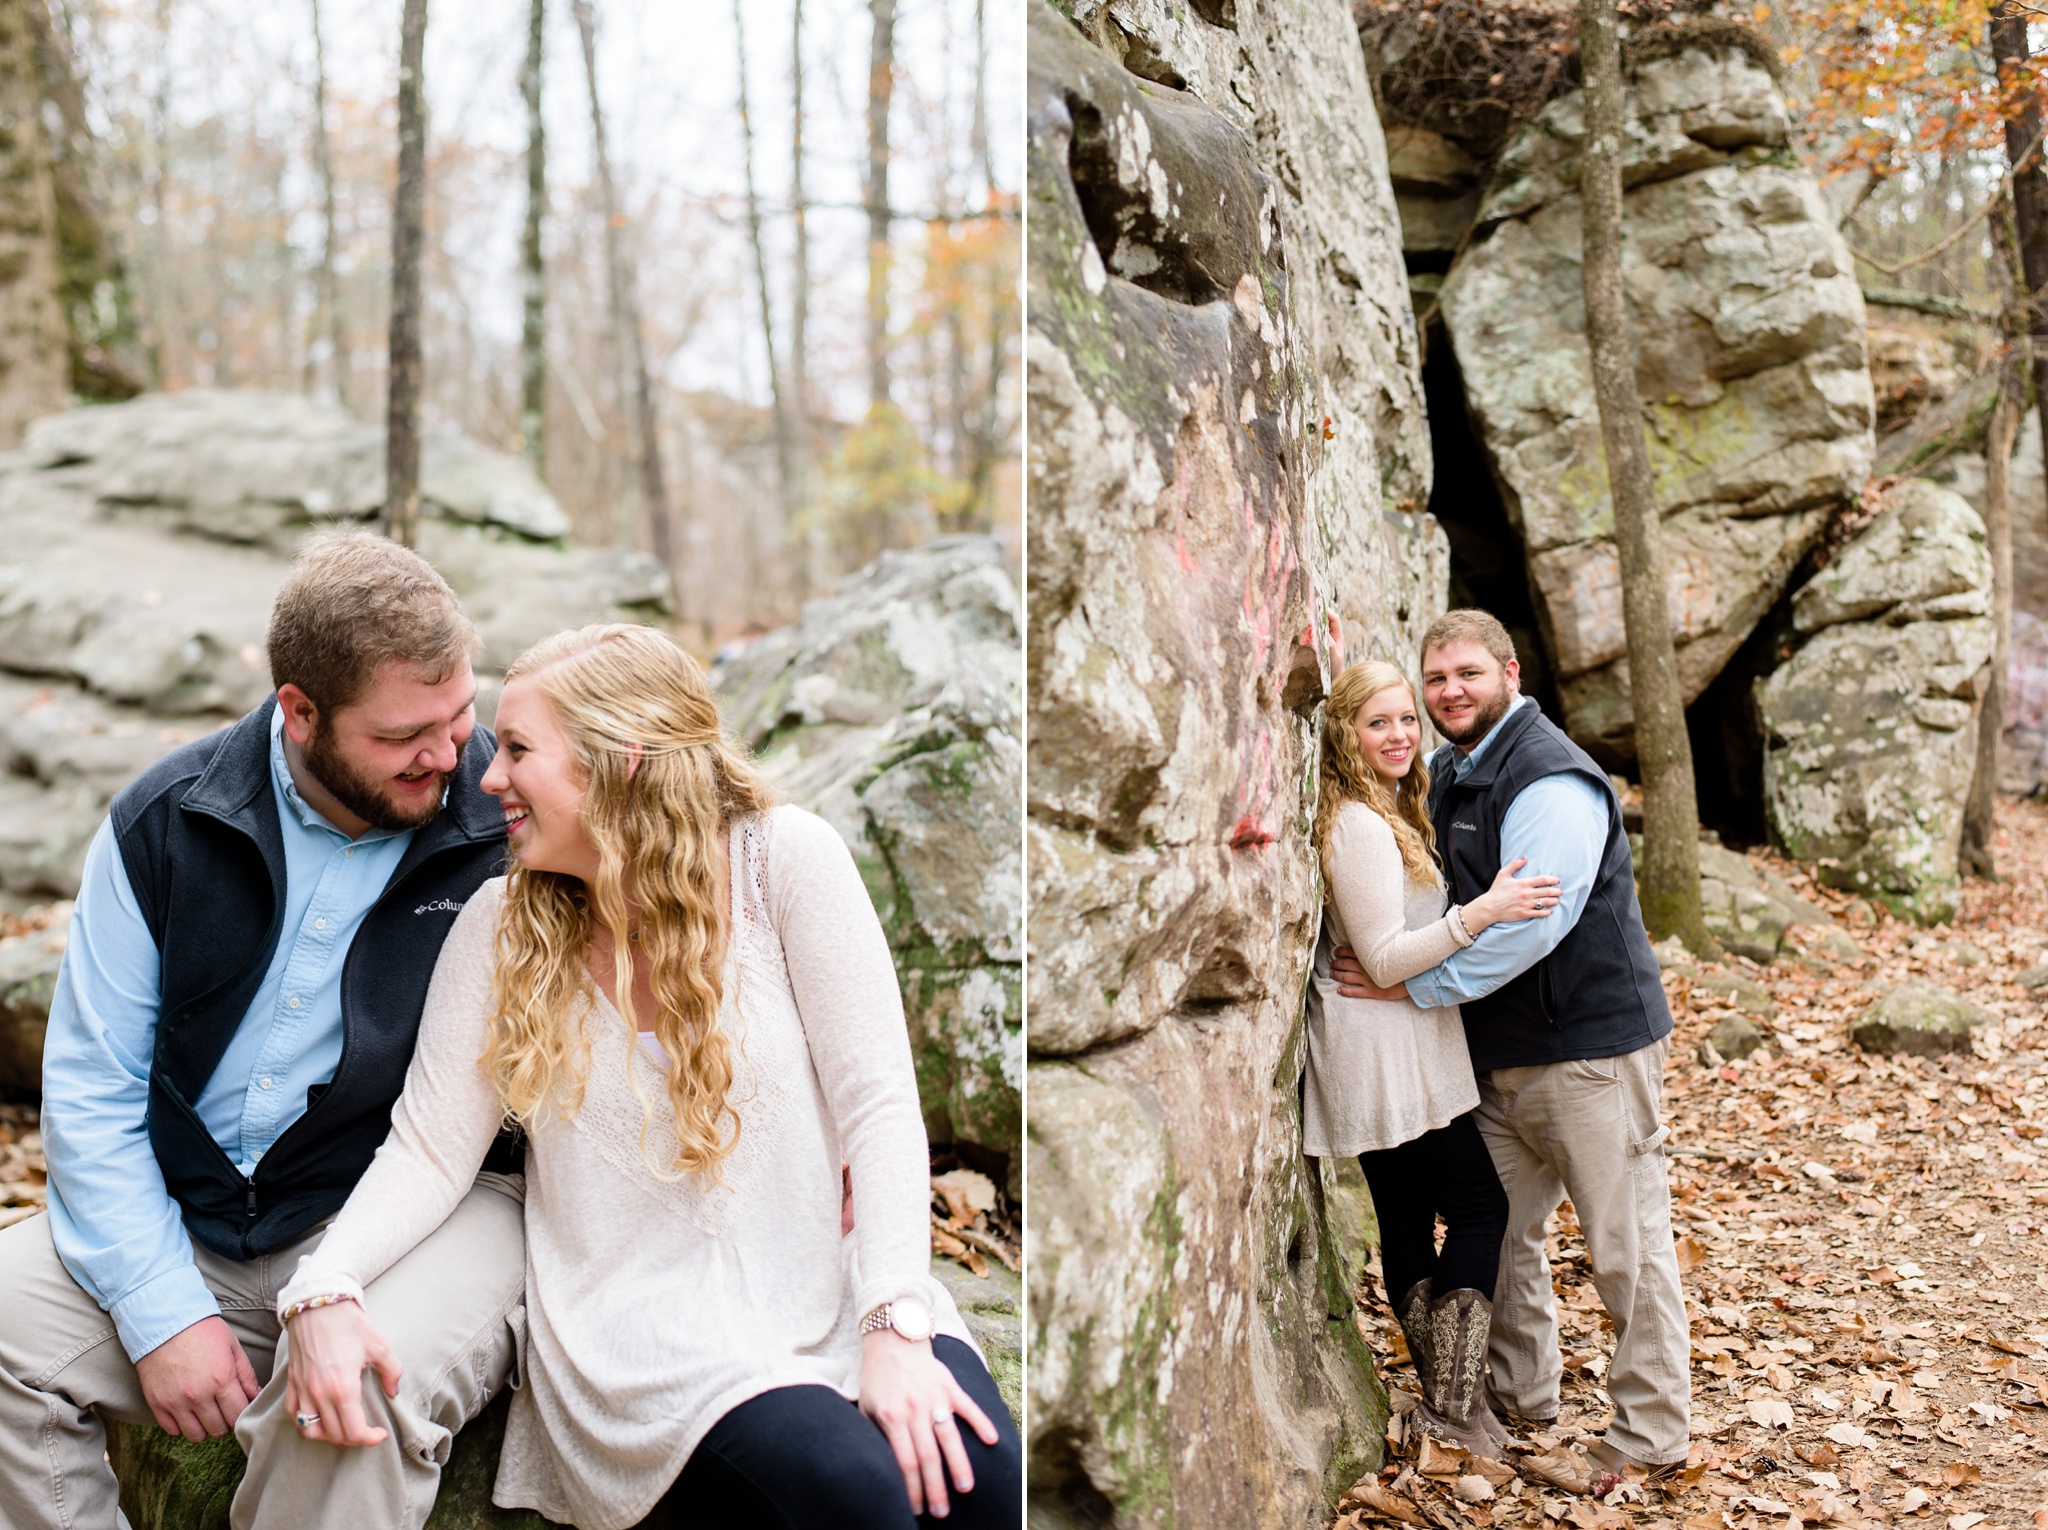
(1898, 79)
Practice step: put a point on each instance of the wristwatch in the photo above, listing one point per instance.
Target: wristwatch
(908, 1316)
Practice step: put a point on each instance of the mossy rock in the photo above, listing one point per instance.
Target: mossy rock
(168, 1483)
(1735, 1037)
(1750, 997)
(993, 1307)
(1920, 1019)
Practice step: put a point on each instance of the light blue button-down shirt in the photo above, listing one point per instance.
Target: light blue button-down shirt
(1560, 824)
(117, 1229)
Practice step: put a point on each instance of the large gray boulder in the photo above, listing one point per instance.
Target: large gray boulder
(1870, 726)
(892, 710)
(1921, 1020)
(1756, 397)
(147, 541)
(1228, 452)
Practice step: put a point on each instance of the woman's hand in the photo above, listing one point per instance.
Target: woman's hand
(1510, 899)
(329, 1349)
(912, 1398)
(1352, 981)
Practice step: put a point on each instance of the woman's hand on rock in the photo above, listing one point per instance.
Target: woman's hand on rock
(329, 1349)
(1512, 898)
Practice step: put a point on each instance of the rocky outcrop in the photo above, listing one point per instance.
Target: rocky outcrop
(892, 709)
(1921, 1020)
(1751, 369)
(1870, 726)
(1228, 455)
(146, 542)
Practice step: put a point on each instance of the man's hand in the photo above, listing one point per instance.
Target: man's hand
(198, 1381)
(1352, 981)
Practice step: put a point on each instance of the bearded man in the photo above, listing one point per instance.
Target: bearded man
(257, 925)
(1568, 1028)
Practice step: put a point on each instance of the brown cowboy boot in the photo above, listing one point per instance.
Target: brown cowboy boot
(1413, 1313)
(1454, 1409)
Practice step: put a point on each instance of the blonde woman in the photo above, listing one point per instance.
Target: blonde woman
(1392, 1083)
(684, 995)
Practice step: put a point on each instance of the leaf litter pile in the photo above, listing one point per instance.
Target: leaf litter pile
(1864, 1242)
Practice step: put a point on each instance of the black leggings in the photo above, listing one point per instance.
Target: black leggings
(1446, 1171)
(803, 1457)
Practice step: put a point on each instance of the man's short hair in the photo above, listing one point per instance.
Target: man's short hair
(1467, 625)
(354, 601)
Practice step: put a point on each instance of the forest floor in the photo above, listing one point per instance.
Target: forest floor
(1865, 1248)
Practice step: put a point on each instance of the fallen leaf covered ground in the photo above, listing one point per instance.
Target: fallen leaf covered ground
(1865, 1246)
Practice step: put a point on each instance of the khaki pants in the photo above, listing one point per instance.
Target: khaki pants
(1590, 1130)
(450, 1310)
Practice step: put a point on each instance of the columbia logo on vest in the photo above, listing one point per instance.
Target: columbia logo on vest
(439, 906)
(1472, 826)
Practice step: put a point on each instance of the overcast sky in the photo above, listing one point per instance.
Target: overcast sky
(669, 73)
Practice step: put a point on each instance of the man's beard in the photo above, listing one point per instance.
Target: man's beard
(1483, 719)
(364, 795)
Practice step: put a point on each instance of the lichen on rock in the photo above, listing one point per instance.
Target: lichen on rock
(1751, 368)
(891, 709)
(1870, 726)
(1228, 459)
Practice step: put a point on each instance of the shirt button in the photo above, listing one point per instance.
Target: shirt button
(263, 1083)
(319, 924)
(293, 1001)
(350, 851)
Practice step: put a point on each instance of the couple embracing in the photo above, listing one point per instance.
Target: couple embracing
(1487, 1044)
(353, 1118)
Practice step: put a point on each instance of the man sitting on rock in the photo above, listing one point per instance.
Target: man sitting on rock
(1568, 1029)
(257, 925)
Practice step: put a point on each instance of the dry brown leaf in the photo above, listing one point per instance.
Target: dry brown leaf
(1391, 1505)
(1436, 1459)
(1691, 1255)
(1961, 1473)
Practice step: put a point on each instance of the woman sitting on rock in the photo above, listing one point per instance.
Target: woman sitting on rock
(683, 993)
(1389, 1081)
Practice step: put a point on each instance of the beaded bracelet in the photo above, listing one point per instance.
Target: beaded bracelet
(1458, 913)
(310, 1303)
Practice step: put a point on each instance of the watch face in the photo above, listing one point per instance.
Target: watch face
(910, 1319)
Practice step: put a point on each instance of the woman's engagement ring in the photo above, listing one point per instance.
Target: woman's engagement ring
(305, 1420)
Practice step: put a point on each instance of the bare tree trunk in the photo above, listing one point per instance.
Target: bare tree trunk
(2023, 129)
(325, 296)
(1979, 830)
(625, 310)
(1668, 886)
(34, 364)
(93, 287)
(163, 298)
(881, 90)
(1978, 849)
(800, 307)
(785, 454)
(408, 237)
(533, 334)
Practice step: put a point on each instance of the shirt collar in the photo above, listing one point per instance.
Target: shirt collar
(1467, 763)
(288, 791)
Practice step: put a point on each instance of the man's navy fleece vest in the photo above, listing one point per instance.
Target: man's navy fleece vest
(199, 836)
(1597, 994)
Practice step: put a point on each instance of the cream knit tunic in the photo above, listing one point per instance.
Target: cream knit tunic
(1380, 1072)
(653, 1308)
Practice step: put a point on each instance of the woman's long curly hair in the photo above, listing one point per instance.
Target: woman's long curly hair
(662, 783)
(1347, 778)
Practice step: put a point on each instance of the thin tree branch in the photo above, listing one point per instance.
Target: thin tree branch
(1997, 196)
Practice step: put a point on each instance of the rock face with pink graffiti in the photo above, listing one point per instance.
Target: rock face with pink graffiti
(1228, 451)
